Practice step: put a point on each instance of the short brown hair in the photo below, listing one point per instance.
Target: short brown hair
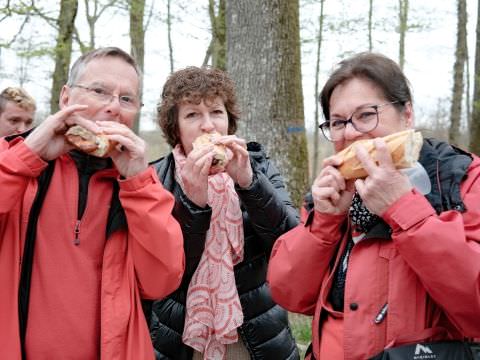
(99, 53)
(376, 68)
(18, 96)
(192, 85)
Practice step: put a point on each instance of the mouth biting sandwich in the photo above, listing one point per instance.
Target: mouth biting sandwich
(404, 147)
(85, 140)
(220, 157)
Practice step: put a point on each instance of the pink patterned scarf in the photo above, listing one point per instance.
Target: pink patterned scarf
(213, 310)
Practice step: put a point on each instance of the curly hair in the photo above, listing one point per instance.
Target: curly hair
(18, 96)
(192, 85)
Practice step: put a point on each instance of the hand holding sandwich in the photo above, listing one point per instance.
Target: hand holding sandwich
(48, 140)
(195, 174)
(331, 192)
(238, 166)
(384, 184)
(129, 154)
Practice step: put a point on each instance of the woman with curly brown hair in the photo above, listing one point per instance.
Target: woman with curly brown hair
(230, 217)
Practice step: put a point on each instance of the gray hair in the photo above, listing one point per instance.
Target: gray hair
(80, 64)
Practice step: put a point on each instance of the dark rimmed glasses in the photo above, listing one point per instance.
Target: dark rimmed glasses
(364, 120)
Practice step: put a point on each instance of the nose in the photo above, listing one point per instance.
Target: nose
(350, 133)
(207, 123)
(113, 106)
(20, 128)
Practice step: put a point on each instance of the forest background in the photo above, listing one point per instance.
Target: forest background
(279, 52)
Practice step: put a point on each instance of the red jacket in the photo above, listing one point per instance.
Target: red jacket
(145, 261)
(429, 273)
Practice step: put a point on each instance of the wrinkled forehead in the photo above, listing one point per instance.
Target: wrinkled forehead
(111, 71)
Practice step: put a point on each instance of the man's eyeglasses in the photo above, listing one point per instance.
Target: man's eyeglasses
(364, 120)
(105, 97)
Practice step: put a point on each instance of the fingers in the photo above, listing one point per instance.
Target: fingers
(63, 118)
(384, 157)
(330, 176)
(199, 161)
(119, 133)
(333, 160)
(230, 140)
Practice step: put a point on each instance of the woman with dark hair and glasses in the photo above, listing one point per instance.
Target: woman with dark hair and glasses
(387, 264)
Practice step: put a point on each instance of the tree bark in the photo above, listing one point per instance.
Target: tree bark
(370, 26)
(263, 57)
(458, 73)
(63, 49)
(169, 34)
(218, 44)
(316, 132)
(137, 44)
(403, 27)
(475, 121)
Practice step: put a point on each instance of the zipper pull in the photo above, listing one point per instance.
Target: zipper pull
(381, 315)
(76, 231)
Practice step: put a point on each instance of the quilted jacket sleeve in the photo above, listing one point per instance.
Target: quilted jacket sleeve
(267, 202)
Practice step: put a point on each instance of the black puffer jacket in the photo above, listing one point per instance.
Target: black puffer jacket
(267, 213)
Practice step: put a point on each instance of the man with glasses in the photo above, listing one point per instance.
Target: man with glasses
(386, 263)
(84, 239)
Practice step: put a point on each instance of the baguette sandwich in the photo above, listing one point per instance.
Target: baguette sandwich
(404, 147)
(85, 140)
(220, 157)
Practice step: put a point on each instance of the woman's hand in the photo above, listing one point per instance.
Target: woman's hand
(195, 175)
(238, 166)
(331, 193)
(384, 184)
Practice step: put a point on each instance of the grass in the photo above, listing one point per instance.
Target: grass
(302, 331)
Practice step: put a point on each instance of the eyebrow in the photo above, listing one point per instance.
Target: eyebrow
(357, 108)
(102, 84)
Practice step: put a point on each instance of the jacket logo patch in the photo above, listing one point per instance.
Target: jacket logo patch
(423, 352)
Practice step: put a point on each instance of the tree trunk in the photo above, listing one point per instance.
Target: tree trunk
(458, 73)
(403, 27)
(263, 57)
(218, 50)
(169, 34)
(316, 132)
(475, 121)
(370, 13)
(63, 49)
(137, 43)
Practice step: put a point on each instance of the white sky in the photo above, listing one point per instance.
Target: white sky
(429, 52)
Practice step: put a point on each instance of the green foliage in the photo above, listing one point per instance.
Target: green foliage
(301, 328)
(41, 49)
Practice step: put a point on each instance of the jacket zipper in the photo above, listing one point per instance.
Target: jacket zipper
(76, 231)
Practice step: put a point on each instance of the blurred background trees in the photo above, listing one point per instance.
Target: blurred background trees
(278, 51)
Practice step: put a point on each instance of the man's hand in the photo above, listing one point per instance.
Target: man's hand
(48, 139)
(129, 156)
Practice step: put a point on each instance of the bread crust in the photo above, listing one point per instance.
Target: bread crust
(85, 140)
(404, 147)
